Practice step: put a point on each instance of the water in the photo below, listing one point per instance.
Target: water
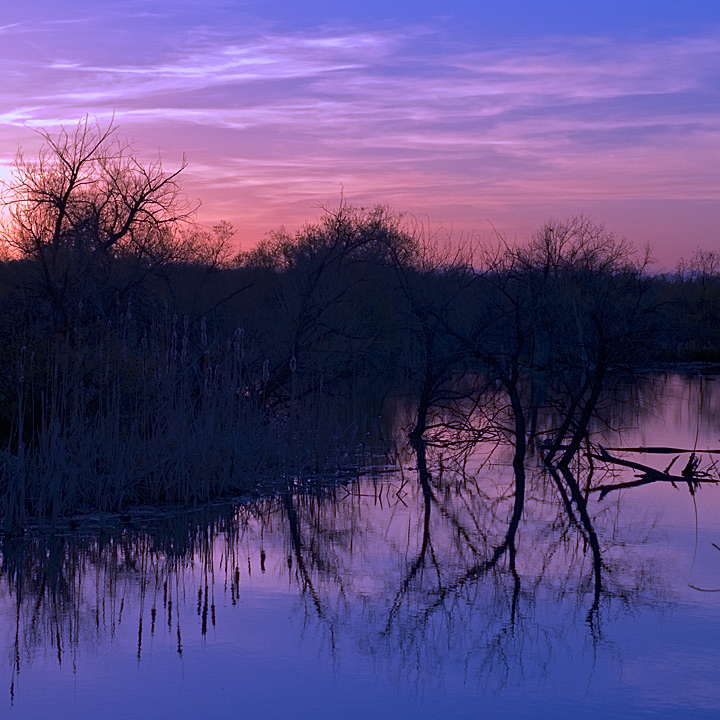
(380, 600)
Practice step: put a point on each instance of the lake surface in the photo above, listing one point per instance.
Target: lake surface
(388, 598)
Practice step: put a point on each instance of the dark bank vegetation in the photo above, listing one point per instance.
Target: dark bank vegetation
(144, 362)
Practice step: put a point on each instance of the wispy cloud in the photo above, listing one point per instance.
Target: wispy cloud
(406, 115)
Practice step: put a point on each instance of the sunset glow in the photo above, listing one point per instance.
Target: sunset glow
(485, 115)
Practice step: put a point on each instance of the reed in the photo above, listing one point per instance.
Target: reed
(142, 410)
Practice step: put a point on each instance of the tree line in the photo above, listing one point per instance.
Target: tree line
(128, 326)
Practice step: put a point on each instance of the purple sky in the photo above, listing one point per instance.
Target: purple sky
(484, 114)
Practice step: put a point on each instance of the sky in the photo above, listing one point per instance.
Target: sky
(472, 116)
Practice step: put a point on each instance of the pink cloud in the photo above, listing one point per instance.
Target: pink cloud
(275, 124)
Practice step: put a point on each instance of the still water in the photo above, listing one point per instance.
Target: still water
(393, 596)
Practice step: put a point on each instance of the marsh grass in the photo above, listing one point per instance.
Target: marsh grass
(131, 411)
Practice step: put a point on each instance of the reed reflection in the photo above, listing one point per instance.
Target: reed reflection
(500, 561)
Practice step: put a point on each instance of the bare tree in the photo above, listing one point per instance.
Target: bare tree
(702, 265)
(84, 200)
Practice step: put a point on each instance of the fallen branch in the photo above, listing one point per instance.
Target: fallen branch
(660, 450)
(690, 474)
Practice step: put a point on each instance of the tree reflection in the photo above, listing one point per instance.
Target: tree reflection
(498, 562)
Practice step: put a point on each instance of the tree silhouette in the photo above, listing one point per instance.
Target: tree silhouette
(86, 200)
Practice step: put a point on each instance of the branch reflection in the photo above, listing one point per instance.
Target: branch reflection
(496, 563)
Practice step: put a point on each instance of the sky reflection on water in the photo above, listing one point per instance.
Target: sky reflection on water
(376, 600)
